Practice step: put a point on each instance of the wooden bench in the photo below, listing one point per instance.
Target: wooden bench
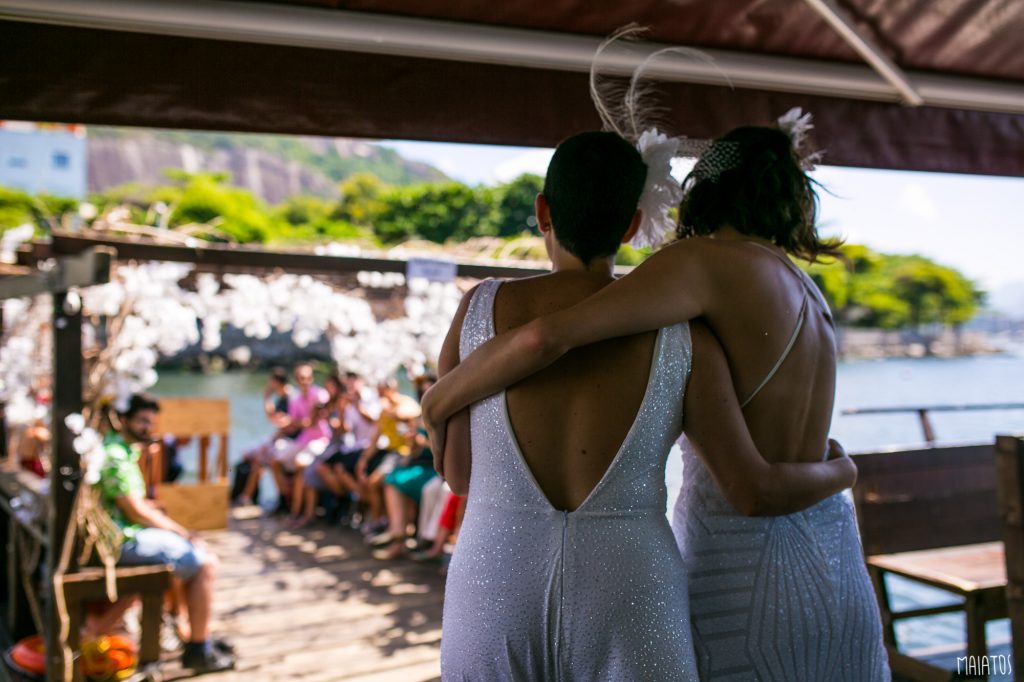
(930, 516)
(1010, 466)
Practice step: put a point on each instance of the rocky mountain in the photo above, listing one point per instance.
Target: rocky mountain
(272, 167)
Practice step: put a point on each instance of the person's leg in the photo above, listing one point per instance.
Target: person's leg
(199, 599)
(395, 504)
(326, 473)
(96, 625)
(394, 536)
(194, 565)
(298, 490)
(253, 480)
(309, 505)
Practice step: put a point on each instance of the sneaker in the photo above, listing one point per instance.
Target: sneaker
(425, 557)
(210, 660)
(381, 539)
(388, 553)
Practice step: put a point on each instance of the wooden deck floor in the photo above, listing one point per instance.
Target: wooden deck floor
(315, 606)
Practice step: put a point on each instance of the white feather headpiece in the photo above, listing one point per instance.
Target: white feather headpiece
(796, 124)
(632, 111)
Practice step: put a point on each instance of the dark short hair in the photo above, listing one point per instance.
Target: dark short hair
(139, 402)
(765, 194)
(592, 187)
(279, 374)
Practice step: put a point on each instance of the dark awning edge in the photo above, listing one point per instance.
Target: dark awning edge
(74, 75)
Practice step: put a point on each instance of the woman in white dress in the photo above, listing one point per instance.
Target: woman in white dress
(566, 568)
(749, 205)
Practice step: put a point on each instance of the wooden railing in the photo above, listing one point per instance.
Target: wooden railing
(923, 412)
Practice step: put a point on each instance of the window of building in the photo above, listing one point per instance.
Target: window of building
(17, 162)
(61, 160)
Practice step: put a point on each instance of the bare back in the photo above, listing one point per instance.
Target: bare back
(571, 418)
(790, 416)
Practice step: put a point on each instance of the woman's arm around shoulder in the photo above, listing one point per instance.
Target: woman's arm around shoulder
(671, 286)
(452, 459)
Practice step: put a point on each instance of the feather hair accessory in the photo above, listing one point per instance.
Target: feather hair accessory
(631, 110)
(796, 124)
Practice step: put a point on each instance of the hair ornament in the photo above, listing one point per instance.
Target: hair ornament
(631, 111)
(796, 124)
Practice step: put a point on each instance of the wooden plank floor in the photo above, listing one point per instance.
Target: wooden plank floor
(315, 606)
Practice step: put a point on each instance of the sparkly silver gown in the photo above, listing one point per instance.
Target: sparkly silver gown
(777, 598)
(598, 593)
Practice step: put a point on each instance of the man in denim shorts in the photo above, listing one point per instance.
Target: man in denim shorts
(151, 537)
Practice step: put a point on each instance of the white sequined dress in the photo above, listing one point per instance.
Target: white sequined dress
(784, 598)
(598, 593)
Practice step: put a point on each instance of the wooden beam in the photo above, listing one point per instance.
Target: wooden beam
(89, 266)
(1010, 473)
(65, 466)
(246, 259)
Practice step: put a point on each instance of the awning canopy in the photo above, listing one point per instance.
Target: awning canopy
(935, 85)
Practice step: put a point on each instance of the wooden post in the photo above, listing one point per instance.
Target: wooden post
(3, 416)
(1010, 473)
(926, 426)
(65, 467)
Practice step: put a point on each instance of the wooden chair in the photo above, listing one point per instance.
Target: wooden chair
(1010, 465)
(204, 504)
(89, 584)
(930, 516)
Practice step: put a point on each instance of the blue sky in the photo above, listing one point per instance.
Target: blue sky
(973, 223)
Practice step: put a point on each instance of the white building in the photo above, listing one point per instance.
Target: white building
(43, 158)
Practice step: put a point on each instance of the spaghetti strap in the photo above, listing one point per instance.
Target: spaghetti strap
(782, 358)
(809, 289)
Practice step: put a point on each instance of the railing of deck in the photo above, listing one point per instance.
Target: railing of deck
(924, 411)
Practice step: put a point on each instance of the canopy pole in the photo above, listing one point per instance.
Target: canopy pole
(868, 49)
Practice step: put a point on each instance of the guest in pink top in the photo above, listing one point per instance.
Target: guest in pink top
(306, 409)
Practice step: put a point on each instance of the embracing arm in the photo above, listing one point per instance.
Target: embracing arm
(714, 424)
(668, 287)
(453, 459)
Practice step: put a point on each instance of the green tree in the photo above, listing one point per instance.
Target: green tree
(436, 212)
(514, 205)
(206, 199)
(45, 211)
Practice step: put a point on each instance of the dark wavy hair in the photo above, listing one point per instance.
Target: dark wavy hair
(765, 193)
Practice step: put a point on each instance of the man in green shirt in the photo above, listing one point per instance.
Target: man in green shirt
(152, 537)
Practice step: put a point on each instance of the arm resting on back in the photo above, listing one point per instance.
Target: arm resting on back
(668, 287)
(714, 424)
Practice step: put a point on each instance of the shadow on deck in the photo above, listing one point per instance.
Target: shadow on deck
(315, 606)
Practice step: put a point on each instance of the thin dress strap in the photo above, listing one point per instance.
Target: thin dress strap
(809, 288)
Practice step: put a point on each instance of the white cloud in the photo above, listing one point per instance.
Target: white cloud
(916, 199)
(534, 161)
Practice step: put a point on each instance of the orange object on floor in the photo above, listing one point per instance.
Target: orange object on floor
(110, 658)
(30, 655)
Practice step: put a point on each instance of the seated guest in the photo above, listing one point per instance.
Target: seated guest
(151, 537)
(337, 471)
(276, 395)
(402, 487)
(312, 437)
(396, 428)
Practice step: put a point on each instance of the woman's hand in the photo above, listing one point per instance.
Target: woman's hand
(837, 454)
(436, 429)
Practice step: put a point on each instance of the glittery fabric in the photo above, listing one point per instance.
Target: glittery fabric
(599, 593)
(776, 598)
